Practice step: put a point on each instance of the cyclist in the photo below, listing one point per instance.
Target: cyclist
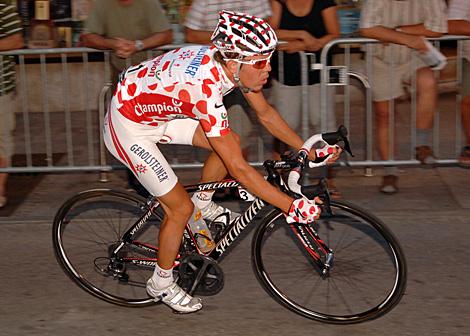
(176, 98)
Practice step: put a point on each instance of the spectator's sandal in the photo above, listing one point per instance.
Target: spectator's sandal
(464, 159)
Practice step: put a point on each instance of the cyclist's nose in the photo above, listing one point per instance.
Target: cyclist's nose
(267, 68)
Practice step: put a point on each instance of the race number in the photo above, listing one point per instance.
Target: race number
(245, 195)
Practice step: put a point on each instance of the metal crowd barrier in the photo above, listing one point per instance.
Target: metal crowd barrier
(61, 131)
(367, 157)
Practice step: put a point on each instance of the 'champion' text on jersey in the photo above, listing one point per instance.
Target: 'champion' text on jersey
(182, 83)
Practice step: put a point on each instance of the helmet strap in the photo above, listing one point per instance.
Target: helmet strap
(236, 77)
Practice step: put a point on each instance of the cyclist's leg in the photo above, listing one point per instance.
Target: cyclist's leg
(135, 146)
(189, 132)
(178, 208)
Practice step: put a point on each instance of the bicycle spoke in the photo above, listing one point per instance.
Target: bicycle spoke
(90, 231)
(361, 278)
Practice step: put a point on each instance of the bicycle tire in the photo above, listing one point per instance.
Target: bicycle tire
(275, 267)
(100, 217)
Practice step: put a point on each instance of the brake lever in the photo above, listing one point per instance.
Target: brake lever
(341, 135)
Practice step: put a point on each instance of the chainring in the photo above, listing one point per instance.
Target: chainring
(200, 275)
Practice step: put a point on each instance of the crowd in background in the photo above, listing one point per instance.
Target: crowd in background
(130, 27)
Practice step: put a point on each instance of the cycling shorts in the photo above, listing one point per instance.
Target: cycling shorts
(135, 145)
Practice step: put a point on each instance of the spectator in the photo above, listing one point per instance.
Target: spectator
(200, 22)
(393, 63)
(305, 25)
(10, 38)
(129, 27)
(459, 24)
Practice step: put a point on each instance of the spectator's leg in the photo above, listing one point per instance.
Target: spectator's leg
(7, 124)
(464, 159)
(288, 102)
(427, 98)
(315, 119)
(3, 183)
(381, 109)
(465, 110)
(390, 178)
(426, 86)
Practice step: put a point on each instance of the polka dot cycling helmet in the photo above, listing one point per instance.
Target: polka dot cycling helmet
(243, 34)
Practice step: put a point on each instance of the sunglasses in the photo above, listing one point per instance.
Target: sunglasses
(256, 63)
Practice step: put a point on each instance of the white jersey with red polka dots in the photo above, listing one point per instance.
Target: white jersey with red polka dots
(183, 83)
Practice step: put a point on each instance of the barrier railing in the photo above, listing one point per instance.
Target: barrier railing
(61, 130)
(367, 159)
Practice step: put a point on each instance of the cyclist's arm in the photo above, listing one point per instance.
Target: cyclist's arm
(230, 153)
(272, 120)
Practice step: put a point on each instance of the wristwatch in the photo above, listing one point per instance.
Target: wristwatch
(139, 45)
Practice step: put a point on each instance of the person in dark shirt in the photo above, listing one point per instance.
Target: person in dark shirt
(303, 25)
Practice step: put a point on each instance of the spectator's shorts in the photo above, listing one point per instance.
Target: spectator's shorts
(288, 102)
(135, 145)
(466, 78)
(7, 124)
(388, 80)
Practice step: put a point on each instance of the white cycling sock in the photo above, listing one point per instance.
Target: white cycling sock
(202, 198)
(162, 278)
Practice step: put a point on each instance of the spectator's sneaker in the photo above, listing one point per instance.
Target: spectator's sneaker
(174, 297)
(425, 155)
(214, 211)
(464, 158)
(389, 184)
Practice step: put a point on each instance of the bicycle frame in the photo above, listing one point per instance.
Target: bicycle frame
(304, 233)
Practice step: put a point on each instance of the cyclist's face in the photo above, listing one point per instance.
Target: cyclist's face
(255, 75)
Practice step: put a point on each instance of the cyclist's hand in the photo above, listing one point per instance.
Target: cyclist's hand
(332, 153)
(303, 211)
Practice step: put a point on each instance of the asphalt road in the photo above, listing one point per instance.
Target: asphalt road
(38, 299)
(431, 218)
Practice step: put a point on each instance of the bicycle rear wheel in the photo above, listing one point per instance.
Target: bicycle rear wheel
(367, 279)
(88, 228)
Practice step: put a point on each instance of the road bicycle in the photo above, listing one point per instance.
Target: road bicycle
(346, 267)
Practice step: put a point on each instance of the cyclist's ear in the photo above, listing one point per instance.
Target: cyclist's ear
(232, 66)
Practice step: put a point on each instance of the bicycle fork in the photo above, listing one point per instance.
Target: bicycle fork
(316, 249)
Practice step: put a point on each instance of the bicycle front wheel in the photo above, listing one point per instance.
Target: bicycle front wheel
(366, 280)
(86, 231)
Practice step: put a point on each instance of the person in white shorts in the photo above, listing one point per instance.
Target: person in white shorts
(403, 27)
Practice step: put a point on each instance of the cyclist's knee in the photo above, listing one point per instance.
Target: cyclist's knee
(186, 208)
(181, 211)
